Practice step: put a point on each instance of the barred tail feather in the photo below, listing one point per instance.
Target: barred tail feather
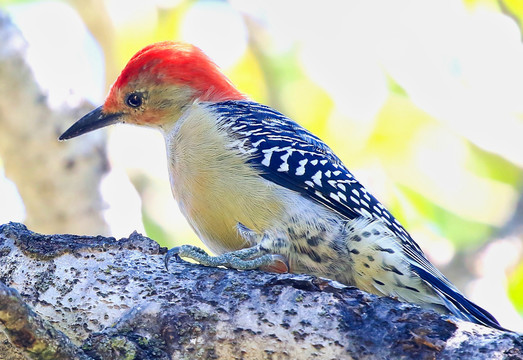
(456, 303)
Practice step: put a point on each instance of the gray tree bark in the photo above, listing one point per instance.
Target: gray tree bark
(79, 297)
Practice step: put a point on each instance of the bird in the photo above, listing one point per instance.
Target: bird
(261, 191)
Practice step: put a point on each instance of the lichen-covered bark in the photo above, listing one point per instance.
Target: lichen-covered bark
(29, 332)
(58, 182)
(115, 300)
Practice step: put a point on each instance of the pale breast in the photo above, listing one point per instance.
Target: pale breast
(214, 186)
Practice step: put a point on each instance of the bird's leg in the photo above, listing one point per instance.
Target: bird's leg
(253, 257)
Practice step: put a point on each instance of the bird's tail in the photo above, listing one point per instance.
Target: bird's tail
(456, 303)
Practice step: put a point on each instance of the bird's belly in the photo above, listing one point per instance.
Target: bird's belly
(215, 215)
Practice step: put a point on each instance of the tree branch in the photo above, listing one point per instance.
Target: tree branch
(114, 300)
(50, 176)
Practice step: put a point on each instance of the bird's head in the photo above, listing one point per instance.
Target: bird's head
(155, 87)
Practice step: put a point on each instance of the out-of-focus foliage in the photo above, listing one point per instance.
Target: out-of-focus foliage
(515, 287)
(422, 101)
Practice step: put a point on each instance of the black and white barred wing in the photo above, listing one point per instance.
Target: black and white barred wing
(287, 154)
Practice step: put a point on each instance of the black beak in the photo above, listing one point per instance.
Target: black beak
(94, 120)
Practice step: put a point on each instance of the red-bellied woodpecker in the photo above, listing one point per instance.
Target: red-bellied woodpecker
(262, 191)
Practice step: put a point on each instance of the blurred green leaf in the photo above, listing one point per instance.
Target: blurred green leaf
(248, 77)
(461, 232)
(492, 166)
(397, 123)
(283, 68)
(394, 87)
(155, 231)
(514, 8)
(515, 288)
(16, 2)
(485, 3)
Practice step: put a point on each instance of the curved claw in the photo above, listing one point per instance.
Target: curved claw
(284, 262)
(175, 251)
(280, 265)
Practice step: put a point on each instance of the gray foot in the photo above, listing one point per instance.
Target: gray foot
(244, 259)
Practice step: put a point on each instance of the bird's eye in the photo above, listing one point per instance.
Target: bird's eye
(134, 100)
